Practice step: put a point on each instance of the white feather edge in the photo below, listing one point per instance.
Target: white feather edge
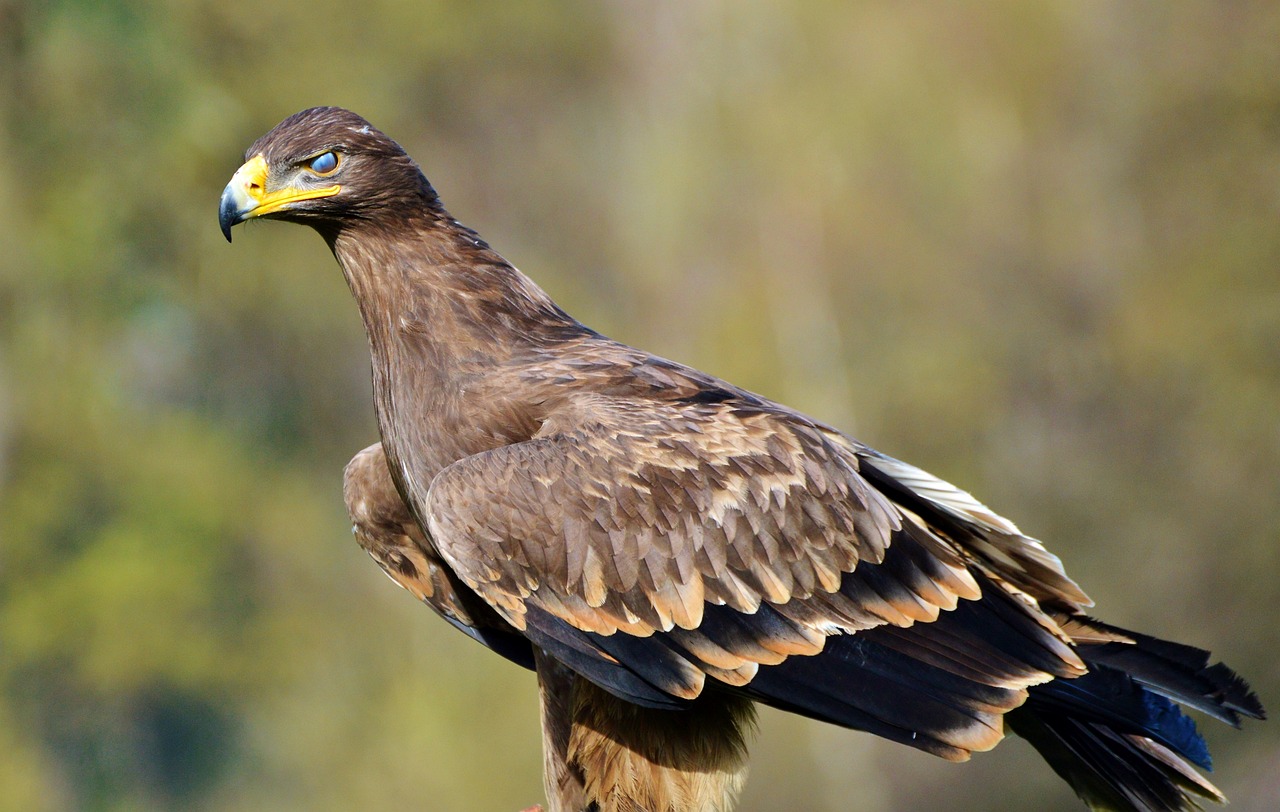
(963, 506)
(941, 493)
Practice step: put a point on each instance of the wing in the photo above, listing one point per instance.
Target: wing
(653, 545)
(387, 531)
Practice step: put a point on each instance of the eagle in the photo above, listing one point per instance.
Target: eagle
(666, 549)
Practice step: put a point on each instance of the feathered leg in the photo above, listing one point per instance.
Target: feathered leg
(603, 754)
(563, 783)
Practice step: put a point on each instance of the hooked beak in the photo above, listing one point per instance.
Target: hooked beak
(247, 196)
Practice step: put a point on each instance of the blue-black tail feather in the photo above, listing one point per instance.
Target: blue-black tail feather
(1115, 735)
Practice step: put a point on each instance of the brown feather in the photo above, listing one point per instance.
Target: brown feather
(387, 531)
(636, 759)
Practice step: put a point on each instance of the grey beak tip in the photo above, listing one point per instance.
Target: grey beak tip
(227, 214)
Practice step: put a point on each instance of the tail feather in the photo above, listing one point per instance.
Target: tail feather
(1112, 699)
(1114, 734)
(1180, 672)
(1111, 770)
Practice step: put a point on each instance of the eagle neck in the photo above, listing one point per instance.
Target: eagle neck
(438, 277)
(446, 318)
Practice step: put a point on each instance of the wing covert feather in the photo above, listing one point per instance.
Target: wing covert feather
(620, 518)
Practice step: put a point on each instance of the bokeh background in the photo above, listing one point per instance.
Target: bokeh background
(1030, 246)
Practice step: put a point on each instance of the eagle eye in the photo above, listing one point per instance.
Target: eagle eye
(324, 163)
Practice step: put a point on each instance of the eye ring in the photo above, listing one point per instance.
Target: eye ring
(324, 164)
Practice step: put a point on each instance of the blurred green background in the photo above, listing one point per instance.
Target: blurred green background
(1032, 247)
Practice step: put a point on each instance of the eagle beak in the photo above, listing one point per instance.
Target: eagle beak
(246, 196)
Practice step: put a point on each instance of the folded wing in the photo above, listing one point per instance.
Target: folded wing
(656, 546)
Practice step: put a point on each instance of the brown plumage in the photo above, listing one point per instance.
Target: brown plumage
(666, 548)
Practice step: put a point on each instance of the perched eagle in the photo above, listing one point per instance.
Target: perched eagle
(666, 549)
